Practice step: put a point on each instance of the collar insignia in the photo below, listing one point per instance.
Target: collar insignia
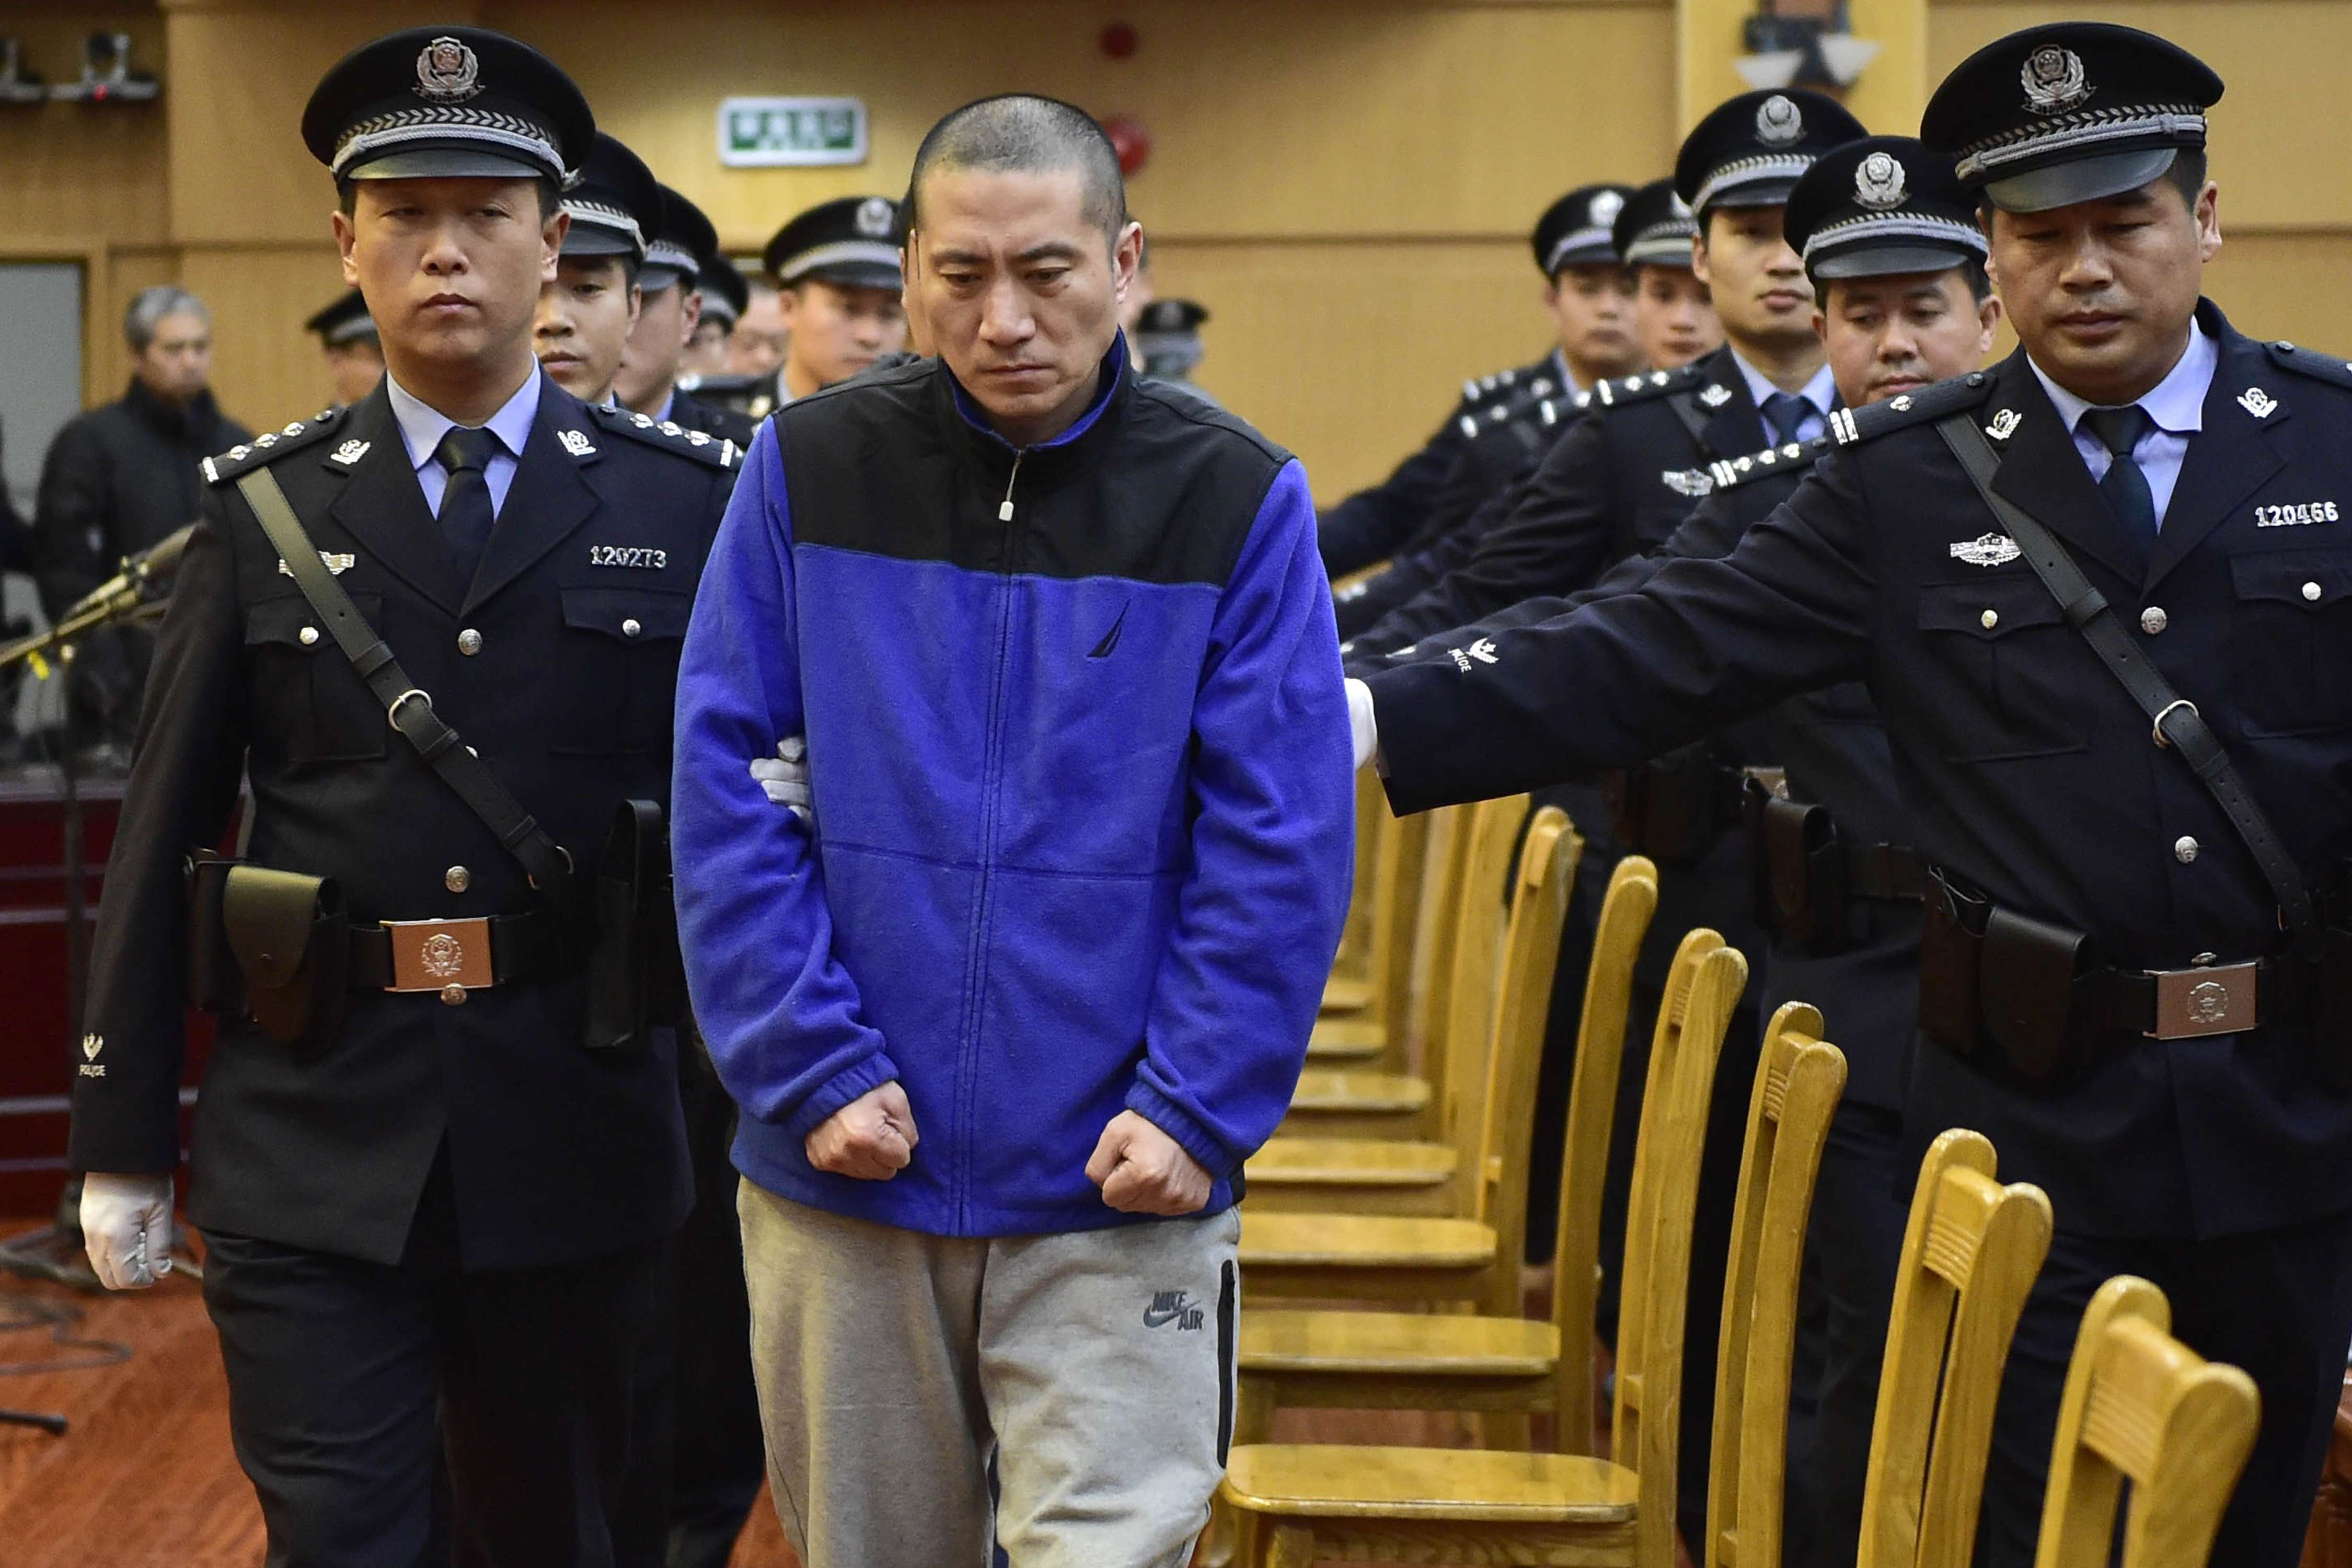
(1714, 397)
(1878, 182)
(2004, 425)
(448, 72)
(1987, 549)
(2052, 79)
(350, 452)
(1692, 482)
(576, 442)
(2258, 403)
(1779, 122)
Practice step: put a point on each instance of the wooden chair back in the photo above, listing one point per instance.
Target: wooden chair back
(1702, 989)
(2141, 1406)
(1432, 936)
(1356, 934)
(1454, 1059)
(1970, 1256)
(1514, 1054)
(1798, 1081)
(1403, 853)
(1625, 911)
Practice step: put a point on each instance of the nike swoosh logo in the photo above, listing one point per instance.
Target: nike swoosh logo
(1110, 639)
(1153, 1320)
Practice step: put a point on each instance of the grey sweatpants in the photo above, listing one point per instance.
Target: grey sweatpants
(1092, 1370)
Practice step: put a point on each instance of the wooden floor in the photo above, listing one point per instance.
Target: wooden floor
(144, 1476)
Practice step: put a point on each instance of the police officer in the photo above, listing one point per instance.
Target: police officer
(347, 336)
(2116, 988)
(724, 295)
(837, 267)
(1889, 237)
(1168, 344)
(589, 311)
(1589, 296)
(437, 1160)
(670, 310)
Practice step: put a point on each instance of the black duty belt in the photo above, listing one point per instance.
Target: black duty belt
(450, 958)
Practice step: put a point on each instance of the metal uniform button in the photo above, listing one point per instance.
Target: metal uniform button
(1990, 619)
(456, 878)
(2311, 592)
(2184, 849)
(630, 627)
(309, 635)
(469, 642)
(454, 995)
(2153, 619)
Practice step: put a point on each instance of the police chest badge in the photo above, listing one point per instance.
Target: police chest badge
(2052, 79)
(448, 72)
(1692, 482)
(1987, 549)
(1878, 182)
(1779, 122)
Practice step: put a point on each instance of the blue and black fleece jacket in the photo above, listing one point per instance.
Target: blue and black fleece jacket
(1080, 757)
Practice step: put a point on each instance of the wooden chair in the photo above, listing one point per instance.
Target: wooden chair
(1377, 1032)
(2141, 1406)
(1970, 1256)
(1473, 1256)
(1303, 1172)
(1298, 1503)
(1798, 1083)
(1349, 989)
(1367, 1104)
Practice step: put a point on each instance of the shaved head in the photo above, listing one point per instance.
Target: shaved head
(1021, 133)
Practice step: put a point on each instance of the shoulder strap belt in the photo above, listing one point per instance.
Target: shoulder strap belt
(407, 706)
(2174, 721)
(1685, 408)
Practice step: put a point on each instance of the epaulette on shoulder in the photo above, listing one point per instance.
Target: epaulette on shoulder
(2311, 363)
(1618, 391)
(1906, 409)
(715, 451)
(1527, 402)
(1729, 473)
(269, 445)
(1479, 387)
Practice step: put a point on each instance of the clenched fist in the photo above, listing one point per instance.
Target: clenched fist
(1141, 1169)
(872, 1138)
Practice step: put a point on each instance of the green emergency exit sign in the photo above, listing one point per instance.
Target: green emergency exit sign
(790, 132)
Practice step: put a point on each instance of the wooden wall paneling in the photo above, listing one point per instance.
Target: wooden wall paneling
(1350, 355)
(1265, 119)
(83, 168)
(266, 369)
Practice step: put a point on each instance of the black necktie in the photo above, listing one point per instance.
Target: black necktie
(466, 514)
(2119, 430)
(1787, 413)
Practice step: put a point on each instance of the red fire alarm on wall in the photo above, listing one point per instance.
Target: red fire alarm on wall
(1119, 40)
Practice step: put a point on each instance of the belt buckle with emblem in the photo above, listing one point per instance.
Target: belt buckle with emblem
(2216, 1000)
(449, 957)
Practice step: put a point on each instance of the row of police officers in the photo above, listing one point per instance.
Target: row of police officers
(2009, 702)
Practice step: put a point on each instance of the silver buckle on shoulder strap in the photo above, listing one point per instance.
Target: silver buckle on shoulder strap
(392, 714)
(2193, 1003)
(2155, 731)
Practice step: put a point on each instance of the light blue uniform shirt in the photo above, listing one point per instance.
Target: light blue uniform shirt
(1821, 392)
(2177, 405)
(422, 428)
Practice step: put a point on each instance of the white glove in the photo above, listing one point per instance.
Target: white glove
(126, 1225)
(784, 778)
(1362, 725)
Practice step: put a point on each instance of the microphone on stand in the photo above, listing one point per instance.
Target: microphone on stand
(141, 573)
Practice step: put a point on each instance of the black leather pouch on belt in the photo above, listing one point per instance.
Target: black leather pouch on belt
(290, 941)
(2019, 998)
(635, 982)
(1799, 872)
(1669, 808)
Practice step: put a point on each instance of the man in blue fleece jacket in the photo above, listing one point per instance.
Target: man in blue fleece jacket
(1061, 652)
